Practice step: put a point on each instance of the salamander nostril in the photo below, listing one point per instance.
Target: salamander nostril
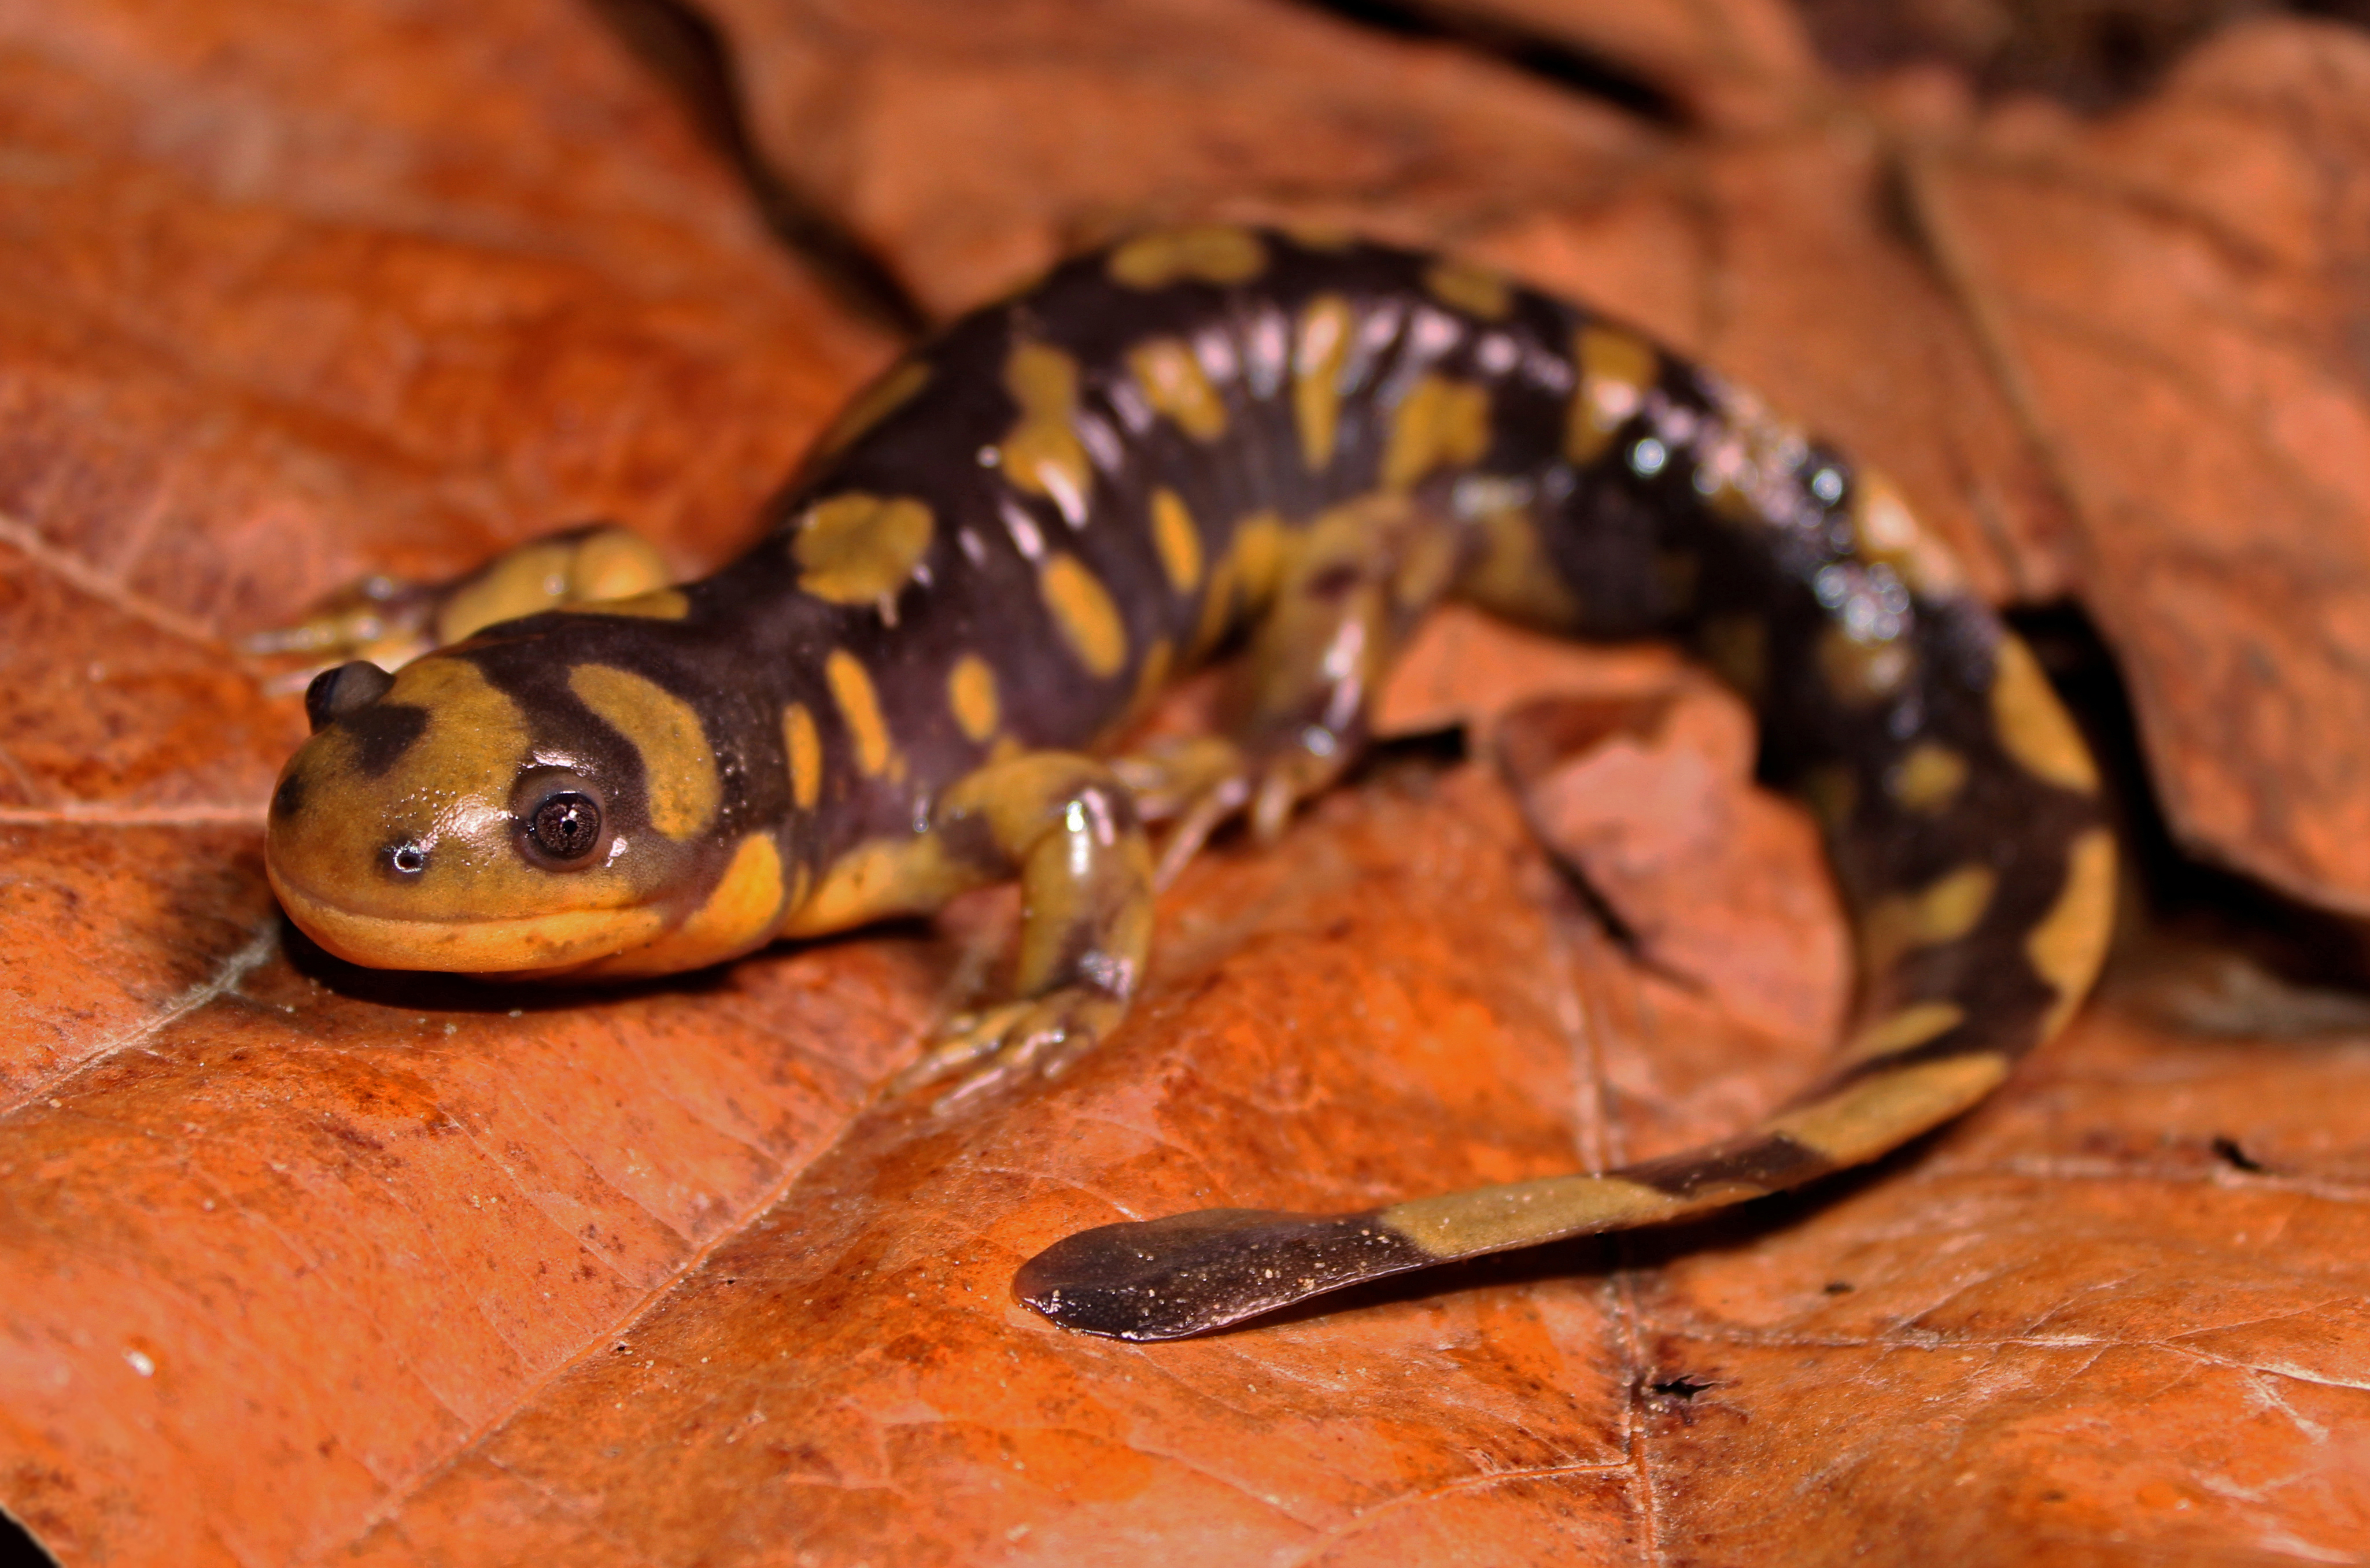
(407, 858)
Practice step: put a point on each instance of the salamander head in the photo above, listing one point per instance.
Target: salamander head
(433, 822)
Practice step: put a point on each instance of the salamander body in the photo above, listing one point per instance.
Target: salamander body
(1201, 439)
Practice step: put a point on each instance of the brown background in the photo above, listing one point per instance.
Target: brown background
(302, 1264)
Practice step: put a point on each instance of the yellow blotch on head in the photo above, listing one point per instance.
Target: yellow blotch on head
(860, 548)
(1475, 290)
(1615, 369)
(1944, 911)
(1910, 1027)
(874, 403)
(1042, 454)
(1929, 778)
(1202, 253)
(1175, 383)
(1179, 542)
(678, 765)
(1082, 608)
(1888, 1108)
(860, 708)
(803, 746)
(2032, 723)
(971, 693)
(2070, 943)
(1440, 423)
(739, 914)
(1319, 348)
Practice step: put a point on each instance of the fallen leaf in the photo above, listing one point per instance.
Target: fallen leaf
(302, 1263)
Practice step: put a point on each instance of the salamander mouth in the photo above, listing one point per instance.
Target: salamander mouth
(543, 944)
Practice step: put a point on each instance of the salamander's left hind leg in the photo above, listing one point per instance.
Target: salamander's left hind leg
(1301, 704)
(389, 622)
(1066, 826)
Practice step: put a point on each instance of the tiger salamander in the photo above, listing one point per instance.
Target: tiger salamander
(1196, 439)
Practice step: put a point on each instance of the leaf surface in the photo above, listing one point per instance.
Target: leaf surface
(300, 1264)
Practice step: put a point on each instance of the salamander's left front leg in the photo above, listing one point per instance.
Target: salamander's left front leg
(390, 622)
(1067, 828)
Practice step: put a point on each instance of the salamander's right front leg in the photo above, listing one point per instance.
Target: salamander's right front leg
(1067, 828)
(390, 623)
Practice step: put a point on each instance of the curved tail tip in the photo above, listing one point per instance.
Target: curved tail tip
(1188, 1274)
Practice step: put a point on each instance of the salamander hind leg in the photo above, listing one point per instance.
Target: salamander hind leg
(390, 622)
(1067, 827)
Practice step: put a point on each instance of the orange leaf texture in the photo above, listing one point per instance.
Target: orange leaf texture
(303, 1263)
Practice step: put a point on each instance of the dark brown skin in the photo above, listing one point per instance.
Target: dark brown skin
(1196, 439)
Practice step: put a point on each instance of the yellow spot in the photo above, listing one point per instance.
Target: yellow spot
(1244, 579)
(1042, 454)
(1910, 1027)
(1889, 1108)
(1082, 608)
(739, 914)
(1440, 423)
(970, 693)
(1489, 1220)
(1511, 576)
(874, 403)
(1929, 778)
(859, 548)
(2070, 943)
(1888, 532)
(1177, 540)
(860, 708)
(1943, 910)
(2034, 726)
(1204, 253)
(678, 766)
(1475, 290)
(1317, 355)
(1615, 369)
(1860, 674)
(803, 746)
(1174, 384)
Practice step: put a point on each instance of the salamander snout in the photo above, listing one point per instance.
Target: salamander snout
(427, 826)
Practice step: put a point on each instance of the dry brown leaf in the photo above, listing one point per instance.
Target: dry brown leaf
(2176, 299)
(301, 1264)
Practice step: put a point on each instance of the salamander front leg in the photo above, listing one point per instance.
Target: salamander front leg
(390, 622)
(1300, 709)
(1067, 827)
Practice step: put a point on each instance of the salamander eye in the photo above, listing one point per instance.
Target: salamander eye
(566, 828)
